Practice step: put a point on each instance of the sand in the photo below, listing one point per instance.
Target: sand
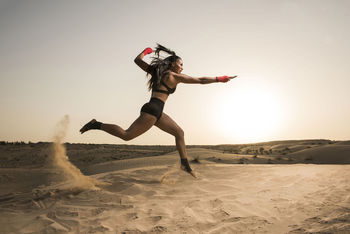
(133, 198)
(272, 187)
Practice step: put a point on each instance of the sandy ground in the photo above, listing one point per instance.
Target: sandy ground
(152, 195)
(274, 187)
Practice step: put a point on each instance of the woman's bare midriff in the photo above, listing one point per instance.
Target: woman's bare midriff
(160, 96)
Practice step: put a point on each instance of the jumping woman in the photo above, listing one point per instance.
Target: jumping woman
(165, 75)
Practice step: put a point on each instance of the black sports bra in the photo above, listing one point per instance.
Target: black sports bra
(169, 90)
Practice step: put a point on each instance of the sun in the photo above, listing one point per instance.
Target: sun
(251, 113)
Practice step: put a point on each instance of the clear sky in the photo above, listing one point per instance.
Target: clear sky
(76, 58)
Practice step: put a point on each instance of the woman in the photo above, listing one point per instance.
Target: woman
(165, 75)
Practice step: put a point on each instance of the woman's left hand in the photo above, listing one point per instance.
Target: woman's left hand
(222, 79)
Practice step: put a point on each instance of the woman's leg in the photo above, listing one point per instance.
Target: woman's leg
(168, 125)
(139, 126)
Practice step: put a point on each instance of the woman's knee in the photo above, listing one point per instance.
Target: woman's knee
(127, 137)
(180, 133)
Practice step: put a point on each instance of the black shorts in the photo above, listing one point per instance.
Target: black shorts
(154, 107)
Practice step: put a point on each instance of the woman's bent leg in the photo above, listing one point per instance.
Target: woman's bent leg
(143, 123)
(168, 125)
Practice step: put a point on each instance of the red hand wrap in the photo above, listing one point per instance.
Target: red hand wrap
(146, 51)
(222, 78)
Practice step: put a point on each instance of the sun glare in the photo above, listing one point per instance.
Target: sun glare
(250, 114)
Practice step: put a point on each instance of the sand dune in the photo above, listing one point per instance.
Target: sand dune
(328, 154)
(343, 143)
(152, 195)
(251, 188)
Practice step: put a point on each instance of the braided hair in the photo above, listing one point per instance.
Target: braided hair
(159, 66)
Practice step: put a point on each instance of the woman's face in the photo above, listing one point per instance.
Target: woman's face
(177, 66)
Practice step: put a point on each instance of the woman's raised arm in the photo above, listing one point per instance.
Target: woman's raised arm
(139, 59)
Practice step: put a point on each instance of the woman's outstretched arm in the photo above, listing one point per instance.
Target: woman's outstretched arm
(139, 59)
(182, 78)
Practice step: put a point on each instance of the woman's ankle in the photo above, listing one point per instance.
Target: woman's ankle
(185, 164)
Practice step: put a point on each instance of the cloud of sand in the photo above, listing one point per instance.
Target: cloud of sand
(71, 174)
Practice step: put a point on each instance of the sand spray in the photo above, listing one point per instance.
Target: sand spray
(172, 176)
(72, 175)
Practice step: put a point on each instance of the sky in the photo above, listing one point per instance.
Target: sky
(75, 58)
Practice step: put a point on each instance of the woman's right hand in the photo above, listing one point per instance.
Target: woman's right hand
(139, 59)
(146, 51)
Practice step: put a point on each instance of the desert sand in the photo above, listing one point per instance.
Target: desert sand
(272, 187)
(145, 195)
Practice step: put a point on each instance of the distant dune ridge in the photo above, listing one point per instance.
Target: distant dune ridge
(328, 154)
(270, 187)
